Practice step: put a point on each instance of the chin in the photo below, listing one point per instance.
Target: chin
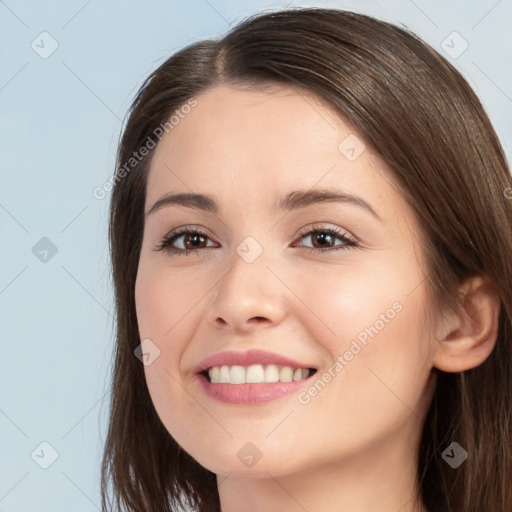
(244, 459)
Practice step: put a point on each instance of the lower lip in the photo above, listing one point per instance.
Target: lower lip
(249, 394)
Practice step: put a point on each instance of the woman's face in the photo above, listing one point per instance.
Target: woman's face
(333, 286)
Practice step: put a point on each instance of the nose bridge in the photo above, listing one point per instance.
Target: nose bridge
(248, 290)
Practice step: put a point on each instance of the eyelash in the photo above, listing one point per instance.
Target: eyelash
(166, 242)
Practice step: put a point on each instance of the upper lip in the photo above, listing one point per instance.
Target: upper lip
(254, 356)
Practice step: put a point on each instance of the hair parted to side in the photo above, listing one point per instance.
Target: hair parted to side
(419, 114)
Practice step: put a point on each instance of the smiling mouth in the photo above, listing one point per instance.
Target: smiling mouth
(255, 374)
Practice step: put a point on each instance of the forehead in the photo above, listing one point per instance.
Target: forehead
(229, 123)
(258, 144)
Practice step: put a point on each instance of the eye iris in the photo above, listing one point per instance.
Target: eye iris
(322, 237)
(195, 237)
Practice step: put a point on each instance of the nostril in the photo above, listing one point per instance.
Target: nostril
(258, 319)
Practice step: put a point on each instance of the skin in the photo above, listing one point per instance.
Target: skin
(354, 445)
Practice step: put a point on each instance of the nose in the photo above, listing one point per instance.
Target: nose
(249, 296)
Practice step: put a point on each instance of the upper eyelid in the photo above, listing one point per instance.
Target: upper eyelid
(317, 226)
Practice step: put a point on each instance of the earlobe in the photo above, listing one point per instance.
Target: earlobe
(470, 336)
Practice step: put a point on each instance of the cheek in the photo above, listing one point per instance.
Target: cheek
(369, 319)
(360, 300)
(163, 298)
(165, 306)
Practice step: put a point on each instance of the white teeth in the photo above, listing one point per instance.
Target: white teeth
(223, 374)
(255, 374)
(215, 373)
(271, 373)
(237, 375)
(286, 374)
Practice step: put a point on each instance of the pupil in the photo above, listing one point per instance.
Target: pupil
(323, 236)
(194, 237)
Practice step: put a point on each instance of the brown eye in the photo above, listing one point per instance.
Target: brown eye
(183, 241)
(323, 239)
(192, 241)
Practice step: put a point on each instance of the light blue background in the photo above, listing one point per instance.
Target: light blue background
(60, 122)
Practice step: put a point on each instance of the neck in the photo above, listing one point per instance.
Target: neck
(381, 480)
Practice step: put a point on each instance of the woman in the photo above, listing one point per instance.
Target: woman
(338, 334)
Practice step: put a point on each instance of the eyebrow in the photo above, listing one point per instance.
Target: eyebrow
(292, 201)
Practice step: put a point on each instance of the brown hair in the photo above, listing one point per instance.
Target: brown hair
(419, 114)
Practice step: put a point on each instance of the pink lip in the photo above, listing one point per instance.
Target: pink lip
(254, 356)
(248, 394)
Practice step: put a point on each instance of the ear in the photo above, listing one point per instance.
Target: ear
(466, 339)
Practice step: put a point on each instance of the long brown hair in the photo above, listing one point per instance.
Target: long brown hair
(419, 114)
